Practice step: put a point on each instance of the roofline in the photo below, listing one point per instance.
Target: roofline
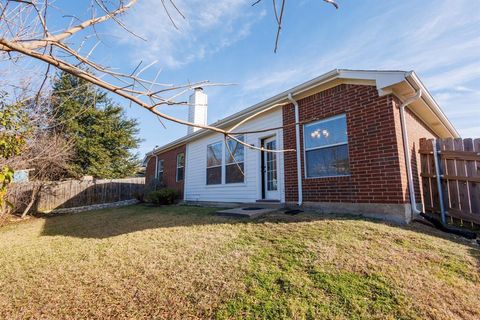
(383, 79)
(255, 108)
(430, 102)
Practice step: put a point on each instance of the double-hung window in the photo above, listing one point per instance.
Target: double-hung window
(234, 163)
(180, 166)
(326, 147)
(226, 160)
(214, 163)
(160, 170)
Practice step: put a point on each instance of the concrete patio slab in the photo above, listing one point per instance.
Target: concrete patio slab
(248, 212)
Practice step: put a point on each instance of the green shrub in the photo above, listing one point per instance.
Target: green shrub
(140, 196)
(163, 196)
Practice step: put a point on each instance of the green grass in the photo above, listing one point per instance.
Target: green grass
(294, 286)
(185, 262)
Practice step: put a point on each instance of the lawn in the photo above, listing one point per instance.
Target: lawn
(185, 262)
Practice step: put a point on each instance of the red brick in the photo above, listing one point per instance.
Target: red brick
(169, 169)
(377, 164)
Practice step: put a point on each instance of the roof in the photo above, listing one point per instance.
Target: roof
(403, 84)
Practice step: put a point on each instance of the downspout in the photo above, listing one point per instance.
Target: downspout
(439, 184)
(441, 225)
(297, 141)
(406, 150)
(185, 175)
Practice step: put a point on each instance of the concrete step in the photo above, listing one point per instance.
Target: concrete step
(274, 204)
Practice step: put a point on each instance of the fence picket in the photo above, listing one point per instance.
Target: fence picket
(460, 166)
(74, 193)
(461, 171)
(431, 168)
(470, 172)
(475, 186)
(443, 169)
(424, 162)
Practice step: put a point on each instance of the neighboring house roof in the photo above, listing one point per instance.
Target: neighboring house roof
(403, 84)
(21, 175)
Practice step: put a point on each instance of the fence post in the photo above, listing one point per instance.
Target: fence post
(439, 180)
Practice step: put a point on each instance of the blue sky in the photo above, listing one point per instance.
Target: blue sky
(230, 41)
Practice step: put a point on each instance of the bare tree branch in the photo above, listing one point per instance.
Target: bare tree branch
(24, 33)
(279, 16)
(35, 44)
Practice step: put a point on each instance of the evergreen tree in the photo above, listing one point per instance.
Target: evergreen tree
(103, 138)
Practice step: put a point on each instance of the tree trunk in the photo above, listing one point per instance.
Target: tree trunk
(35, 192)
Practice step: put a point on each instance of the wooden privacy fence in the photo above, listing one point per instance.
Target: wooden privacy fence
(75, 193)
(459, 165)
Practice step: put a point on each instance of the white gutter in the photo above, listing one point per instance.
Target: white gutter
(406, 149)
(297, 141)
(431, 103)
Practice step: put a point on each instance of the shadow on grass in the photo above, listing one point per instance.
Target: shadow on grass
(101, 224)
(105, 223)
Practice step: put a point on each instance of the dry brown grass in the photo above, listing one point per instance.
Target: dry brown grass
(184, 262)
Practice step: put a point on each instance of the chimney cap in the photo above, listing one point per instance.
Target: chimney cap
(198, 88)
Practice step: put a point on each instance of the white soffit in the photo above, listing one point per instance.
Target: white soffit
(405, 84)
(428, 109)
(383, 79)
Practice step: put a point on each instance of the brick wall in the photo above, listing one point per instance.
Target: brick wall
(376, 174)
(169, 169)
(150, 170)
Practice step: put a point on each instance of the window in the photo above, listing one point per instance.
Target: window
(234, 158)
(180, 166)
(214, 163)
(160, 170)
(233, 161)
(326, 147)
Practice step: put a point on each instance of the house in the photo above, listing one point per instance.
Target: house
(22, 175)
(355, 136)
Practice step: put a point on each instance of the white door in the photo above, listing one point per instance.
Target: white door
(270, 172)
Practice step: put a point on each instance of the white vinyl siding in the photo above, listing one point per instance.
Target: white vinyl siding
(250, 190)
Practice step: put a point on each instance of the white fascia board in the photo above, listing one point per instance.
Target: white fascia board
(384, 80)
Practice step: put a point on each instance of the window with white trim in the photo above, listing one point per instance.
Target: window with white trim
(234, 163)
(180, 166)
(214, 163)
(160, 170)
(326, 147)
